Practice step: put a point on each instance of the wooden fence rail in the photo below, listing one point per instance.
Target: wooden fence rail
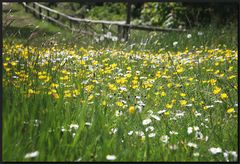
(123, 26)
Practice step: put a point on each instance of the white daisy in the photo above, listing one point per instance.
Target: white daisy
(189, 130)
(74, 126)
(155, 117)
(32, 154)
(152, 135)
(146, 121)
(164, 138)
(190, 144)
(214, 150)
(111, 157)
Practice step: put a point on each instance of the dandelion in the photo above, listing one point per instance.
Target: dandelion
(183, 102)
(182, 94)
(180, 70)
(90, 97)
(119, 103)
(224, 96)
(104, 103)
(166, 113)
(112, 87)
(230, 110)
(163, 94)
(169, 106)
(131, 109)
(231, 77)
(214, 150)
(111, 157)
(31, 155)
(216, 90)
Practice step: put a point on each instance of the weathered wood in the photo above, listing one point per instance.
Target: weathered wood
(152, 28)
(123, 26)
(40, 11)
(126, 28)
(58, 16)
(70, 23)
(34, 6)
(26, 9)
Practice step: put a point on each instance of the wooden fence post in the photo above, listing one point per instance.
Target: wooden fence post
(48, 14)
(26, 9)
(40, 12)
(126, 29)
(34, 13)
(70, 23)
(120, 31)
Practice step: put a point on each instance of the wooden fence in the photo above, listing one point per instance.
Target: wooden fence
(71, 23)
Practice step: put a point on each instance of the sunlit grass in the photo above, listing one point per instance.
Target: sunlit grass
(71, 103)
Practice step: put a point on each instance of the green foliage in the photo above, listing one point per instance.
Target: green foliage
(187, 14)
(41, 122)
(108, 11)
(163, 14)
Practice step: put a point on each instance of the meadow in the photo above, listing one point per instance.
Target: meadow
(157, 97)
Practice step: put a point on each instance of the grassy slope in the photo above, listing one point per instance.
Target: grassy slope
(94, 143)
(25, 24)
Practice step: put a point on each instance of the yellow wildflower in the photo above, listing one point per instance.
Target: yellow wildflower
(119, 103)
(182, 94)
(104, 103)
(169, 106)
(212, 81)
(131, 109)
(163, 94)
(112, 87)
(230, 110)
(216, 90)
(224, 96)
(90, 97)
(183, 102)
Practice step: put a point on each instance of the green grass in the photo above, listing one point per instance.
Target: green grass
(47, 88)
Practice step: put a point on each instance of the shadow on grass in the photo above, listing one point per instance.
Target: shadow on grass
(25, 32)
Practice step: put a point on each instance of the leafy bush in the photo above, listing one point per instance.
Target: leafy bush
(162, 14)
(187, 14)
(108, 11)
